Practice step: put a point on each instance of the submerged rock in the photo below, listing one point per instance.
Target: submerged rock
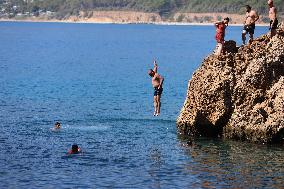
(239, 95)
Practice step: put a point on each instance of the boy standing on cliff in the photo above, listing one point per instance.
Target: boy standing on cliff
(249, 24)
(273, 18)
(157, 82)
(220, 35)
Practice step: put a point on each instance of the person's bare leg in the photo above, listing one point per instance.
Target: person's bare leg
(218, 52)
(158, 104)
(272, 33)
(251, 38)
(155, 105)
(220, 49)
(244, 38)
(216, 49)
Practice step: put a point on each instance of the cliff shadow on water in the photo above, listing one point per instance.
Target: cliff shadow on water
(239, 95)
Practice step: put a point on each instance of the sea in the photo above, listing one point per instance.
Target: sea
(92, 78)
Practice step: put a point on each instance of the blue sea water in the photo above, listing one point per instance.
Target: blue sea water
(93, 79)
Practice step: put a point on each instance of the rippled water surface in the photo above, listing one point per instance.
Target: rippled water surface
(93, 79)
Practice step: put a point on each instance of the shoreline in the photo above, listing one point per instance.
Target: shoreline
(121, 23)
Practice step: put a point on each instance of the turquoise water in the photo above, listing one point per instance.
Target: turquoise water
(93, 79)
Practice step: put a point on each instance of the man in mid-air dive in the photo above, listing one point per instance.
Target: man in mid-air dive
(157, 82)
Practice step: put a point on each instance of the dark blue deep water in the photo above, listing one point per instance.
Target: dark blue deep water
(93, 79)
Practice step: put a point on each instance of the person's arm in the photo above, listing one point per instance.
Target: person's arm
(155, 67)
(217, 24)
(161, 82)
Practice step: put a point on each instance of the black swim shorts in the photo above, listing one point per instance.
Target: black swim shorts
(158, 91)
(249, 28)
(274, 26)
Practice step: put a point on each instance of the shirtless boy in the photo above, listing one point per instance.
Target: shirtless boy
(249, 24)
(273, 18)
(157, 82)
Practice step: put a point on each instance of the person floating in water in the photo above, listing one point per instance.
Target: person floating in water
(273, 18)
(157, 82)
(75, 149)
(220, 35)
(57, 126)
(249, 24)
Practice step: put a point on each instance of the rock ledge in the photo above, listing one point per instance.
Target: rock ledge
(240, 95)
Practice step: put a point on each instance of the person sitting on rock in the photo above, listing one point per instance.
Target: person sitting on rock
(220, 35)
(157, 82)
(249, 24)
(273, 18)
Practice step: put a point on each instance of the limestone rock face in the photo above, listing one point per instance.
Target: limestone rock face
(239, 95)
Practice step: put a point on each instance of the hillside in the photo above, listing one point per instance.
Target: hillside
(166, 9)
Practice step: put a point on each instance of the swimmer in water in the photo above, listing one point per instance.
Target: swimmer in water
(57, 126)
(75, 149)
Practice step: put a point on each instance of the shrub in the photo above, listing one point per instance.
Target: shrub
(180, 18)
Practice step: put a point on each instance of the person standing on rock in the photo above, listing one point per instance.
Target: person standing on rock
(273, 18)
(220, 35)
(157, 82)
(249, 24)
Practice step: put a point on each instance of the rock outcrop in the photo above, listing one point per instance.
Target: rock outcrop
(239, 95)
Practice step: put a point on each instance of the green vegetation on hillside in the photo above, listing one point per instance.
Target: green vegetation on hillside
(65, 8)
(229, 6)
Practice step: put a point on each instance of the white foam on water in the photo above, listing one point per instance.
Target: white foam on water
(98, 127)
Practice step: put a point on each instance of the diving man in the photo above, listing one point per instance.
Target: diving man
(157, 82)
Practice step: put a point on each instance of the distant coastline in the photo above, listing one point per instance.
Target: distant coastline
(122, 23)
(132, 17)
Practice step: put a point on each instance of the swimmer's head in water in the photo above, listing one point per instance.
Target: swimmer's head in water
(248, 8)
(75, 148)
(151, 73)
(57, 125)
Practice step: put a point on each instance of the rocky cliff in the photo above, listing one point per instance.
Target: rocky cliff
(239, 95)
